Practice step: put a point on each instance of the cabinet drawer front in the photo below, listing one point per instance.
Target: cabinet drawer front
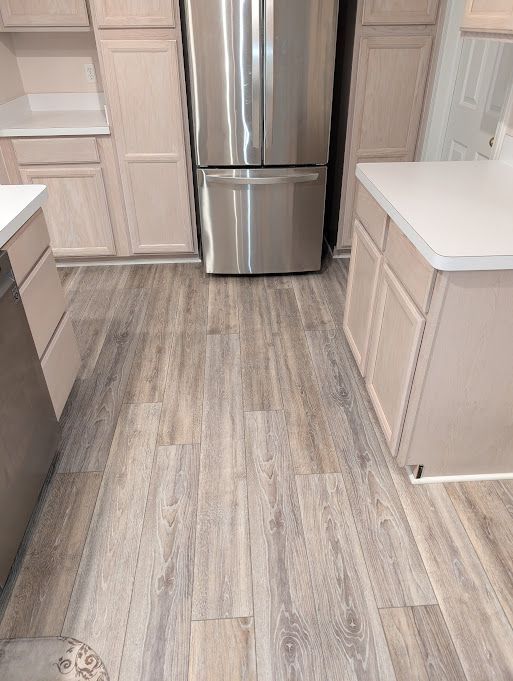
(371, 215)
(54, 150)
(28, 246)
(361, 293)
(414, 272)
(399, 12)
(61, 363)
(397, 329)
(43, 300)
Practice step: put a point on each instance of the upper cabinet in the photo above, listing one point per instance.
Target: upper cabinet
(489, 16)
(136, 13)
(44, 13)
(392, 74)
(383, 12)
(144, 88)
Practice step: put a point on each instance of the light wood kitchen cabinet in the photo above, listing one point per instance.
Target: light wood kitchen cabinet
(361, 293)
(137, 13)
(390, 86)
(489, 16)
(77, 212)
(44, 303)
(397, 329)
(44, 13)
(398, 12)
(143, 80)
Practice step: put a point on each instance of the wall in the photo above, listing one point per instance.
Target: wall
(10, 81)
(54, 62)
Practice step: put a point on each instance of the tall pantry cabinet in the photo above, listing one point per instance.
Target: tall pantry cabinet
(391, 59)
(141, 55)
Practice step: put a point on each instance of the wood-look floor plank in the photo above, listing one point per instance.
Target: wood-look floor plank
(273, 282)
(311, 300)
(223, 316)
(67, 276)
(479, 628)
(89, 420)
(490, 527)
(440, 658)
(99, 605)
(183, 395)
(159, 624)
(406, 653)
(334, 282)
(395, 567)
(147, 380)
(288, 640)
(40, 596)
(222, 575)
(504, 489)
(351, 631)
(260, 381)
(311, 443)
(141, 276)
(92, 313)
(223, 650)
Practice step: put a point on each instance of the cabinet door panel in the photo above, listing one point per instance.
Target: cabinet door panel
(489, 16)
(122, 13)
(400, 11)
(143, 80)
(44, 13)
(361, 293)
(392, 77)
(76, 212)
(397, 330)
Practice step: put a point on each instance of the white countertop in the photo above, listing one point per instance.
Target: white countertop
(459, 215)
(54, 115)
(18, 203)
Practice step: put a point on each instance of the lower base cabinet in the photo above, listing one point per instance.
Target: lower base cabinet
(43, 300)
(77, 211)
(394, 347)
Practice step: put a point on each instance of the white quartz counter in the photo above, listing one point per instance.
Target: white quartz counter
(459, 215)
(18, 203)
(53, 115)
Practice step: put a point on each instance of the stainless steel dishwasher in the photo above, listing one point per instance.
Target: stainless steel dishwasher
(28, 426)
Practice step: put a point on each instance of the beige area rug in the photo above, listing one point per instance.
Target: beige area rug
(49, 659)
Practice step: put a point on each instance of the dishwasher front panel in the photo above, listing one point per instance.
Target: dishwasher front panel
(262, 221)
(28, 427)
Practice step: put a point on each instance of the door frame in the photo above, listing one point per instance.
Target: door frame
(443, 89)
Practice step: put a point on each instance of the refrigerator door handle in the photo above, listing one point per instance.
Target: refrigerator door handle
(269, 72)
(256, 80)
(278, 179)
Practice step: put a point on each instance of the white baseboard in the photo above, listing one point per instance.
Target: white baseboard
(432, 479)
(89, 262)
(342, 256)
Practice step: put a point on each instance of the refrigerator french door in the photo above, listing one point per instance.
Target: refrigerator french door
(261, 87)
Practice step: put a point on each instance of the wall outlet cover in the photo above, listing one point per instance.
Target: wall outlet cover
(90, 73)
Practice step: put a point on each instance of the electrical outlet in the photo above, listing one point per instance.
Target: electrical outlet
(90, 73)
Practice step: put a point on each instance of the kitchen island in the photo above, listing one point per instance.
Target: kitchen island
(429, 313)
(24, 235)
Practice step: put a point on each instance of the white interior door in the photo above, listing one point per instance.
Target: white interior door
(482, 87)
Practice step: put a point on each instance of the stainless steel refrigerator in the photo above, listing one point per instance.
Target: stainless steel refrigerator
(261, 86)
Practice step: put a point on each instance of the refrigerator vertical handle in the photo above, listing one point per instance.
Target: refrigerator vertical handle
(269, 72)
(256, 80)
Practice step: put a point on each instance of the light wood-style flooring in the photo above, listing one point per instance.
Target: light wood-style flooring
(224, 507)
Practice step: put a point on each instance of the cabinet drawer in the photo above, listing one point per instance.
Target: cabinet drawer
(28, 246)
(415, 273)
(56, 150)
(43, 300)
(61, 363)
(371, 215)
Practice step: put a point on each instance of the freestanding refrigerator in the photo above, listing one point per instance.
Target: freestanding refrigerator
(261, 87)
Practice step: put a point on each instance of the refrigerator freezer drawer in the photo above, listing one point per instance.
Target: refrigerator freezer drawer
(262, 221)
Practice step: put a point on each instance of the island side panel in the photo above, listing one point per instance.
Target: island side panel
(460, 417)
